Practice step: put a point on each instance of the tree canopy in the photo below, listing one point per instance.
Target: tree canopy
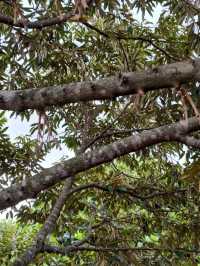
(115, 84)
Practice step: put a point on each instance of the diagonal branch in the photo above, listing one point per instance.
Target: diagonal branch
(49, 224)
(31, 186)
(47, 228)
(165, 76)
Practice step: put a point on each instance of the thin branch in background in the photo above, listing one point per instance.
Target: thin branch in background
(92, 27)
(126, 190)
(67, 250)
(99, 136)
(160, 49)
(121, 172)
(119, 37)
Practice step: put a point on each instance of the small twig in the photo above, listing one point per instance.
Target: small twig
(90, 143)
(125, 57)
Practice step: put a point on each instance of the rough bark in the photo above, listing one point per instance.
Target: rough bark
(31, 186)
(166, 76)
(189, 141)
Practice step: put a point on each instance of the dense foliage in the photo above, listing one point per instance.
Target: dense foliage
(140, 209)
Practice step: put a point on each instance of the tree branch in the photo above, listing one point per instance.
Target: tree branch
(31, 186)
(39, 24)
(189, 141)
(126, 190)
(119, 37)
(104, 133)
(166, 76)
(47, 228)
(49, 225)
(67, 250)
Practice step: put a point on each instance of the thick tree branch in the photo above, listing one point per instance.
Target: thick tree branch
(31, 186)
(92, 27)
(166, 76)
(189, 141)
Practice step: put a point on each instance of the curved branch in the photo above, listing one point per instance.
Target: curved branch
(31, 186)
(166, 76)
(126, 190)
(121, 37)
